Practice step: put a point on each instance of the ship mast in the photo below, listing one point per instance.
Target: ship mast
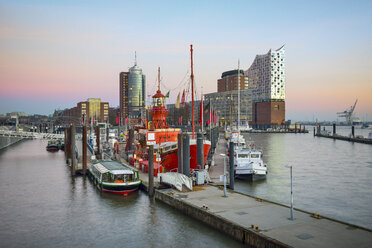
(158, 78)
(192, 93)
(238, 95)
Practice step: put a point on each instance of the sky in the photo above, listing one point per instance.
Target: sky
(54, 54)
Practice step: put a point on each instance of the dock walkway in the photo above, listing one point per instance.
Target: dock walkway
(257, 222)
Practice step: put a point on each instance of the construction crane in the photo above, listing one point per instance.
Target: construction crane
(348, 114)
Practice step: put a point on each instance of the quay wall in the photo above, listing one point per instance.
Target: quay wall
(235, 231)
(7, 141)
(246, 236)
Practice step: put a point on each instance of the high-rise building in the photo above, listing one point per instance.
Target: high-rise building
(266, 79)
(123, 78)
(132, 94)
(229, 81)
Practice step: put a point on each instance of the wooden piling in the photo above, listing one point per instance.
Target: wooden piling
(84, 150)
(151, 171)
(199, 147)
(72, 146)
(98, 139)
(180, 153)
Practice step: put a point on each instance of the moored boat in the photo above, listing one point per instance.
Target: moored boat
(52, 146)
(165, 138)
(249, 164)
(114, 177)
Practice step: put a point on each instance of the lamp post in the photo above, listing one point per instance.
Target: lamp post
(224, 174)
(290, 171)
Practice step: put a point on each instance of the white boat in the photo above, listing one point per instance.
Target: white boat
(249, 164)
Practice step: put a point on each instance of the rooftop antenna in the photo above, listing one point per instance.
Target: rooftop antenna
(135, 57)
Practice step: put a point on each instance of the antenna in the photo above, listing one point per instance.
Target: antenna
(135, 57)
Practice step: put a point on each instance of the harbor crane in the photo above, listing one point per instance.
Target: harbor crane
(348, 114)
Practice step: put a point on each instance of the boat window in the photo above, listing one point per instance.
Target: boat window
(128, 178)
(118, 178)
(106, 177)
(255, 155)
(242, 155)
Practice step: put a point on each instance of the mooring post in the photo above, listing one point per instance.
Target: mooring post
(353, 131)
(130, 140)
(334, 129)
(98, 140)
(68, 146)
(66, 136)
(199, 147)
(180, 153)
(73, 154)
(84, 149)
(186, 155)
(151, 171)
(231, 164)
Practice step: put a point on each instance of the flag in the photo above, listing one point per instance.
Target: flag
(126, 120)
(117, 120)
(183, 98)
(167, 95)
(180, 120)
(215, 118)
(178, 101)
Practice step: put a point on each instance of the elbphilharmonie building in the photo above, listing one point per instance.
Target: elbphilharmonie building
(266, 79)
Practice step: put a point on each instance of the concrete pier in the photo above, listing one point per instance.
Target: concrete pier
(345, 138)
(255, 221)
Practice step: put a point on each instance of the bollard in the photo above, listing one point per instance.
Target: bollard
(199, 147)
(72, 146)
(151, 171)
(231, 164)
(180, 153)
(98, 140)
(186, 155)
(84, 149)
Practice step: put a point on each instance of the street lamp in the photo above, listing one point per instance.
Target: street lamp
(224, 174)
(290, 171)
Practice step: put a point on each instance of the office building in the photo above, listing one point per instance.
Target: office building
(229, 81)
(132, 95)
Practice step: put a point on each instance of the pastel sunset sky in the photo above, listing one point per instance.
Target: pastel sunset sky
(54, 54)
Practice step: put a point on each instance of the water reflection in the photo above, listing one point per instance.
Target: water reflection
(330, 177)
(43, 206)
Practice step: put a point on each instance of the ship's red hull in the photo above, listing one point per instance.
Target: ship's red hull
(170, 160)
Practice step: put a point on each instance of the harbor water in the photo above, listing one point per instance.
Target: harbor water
(330, 177)
(43, 206)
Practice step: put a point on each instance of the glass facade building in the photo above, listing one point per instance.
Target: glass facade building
(226, 106)
(136, 91)
(266, 76)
